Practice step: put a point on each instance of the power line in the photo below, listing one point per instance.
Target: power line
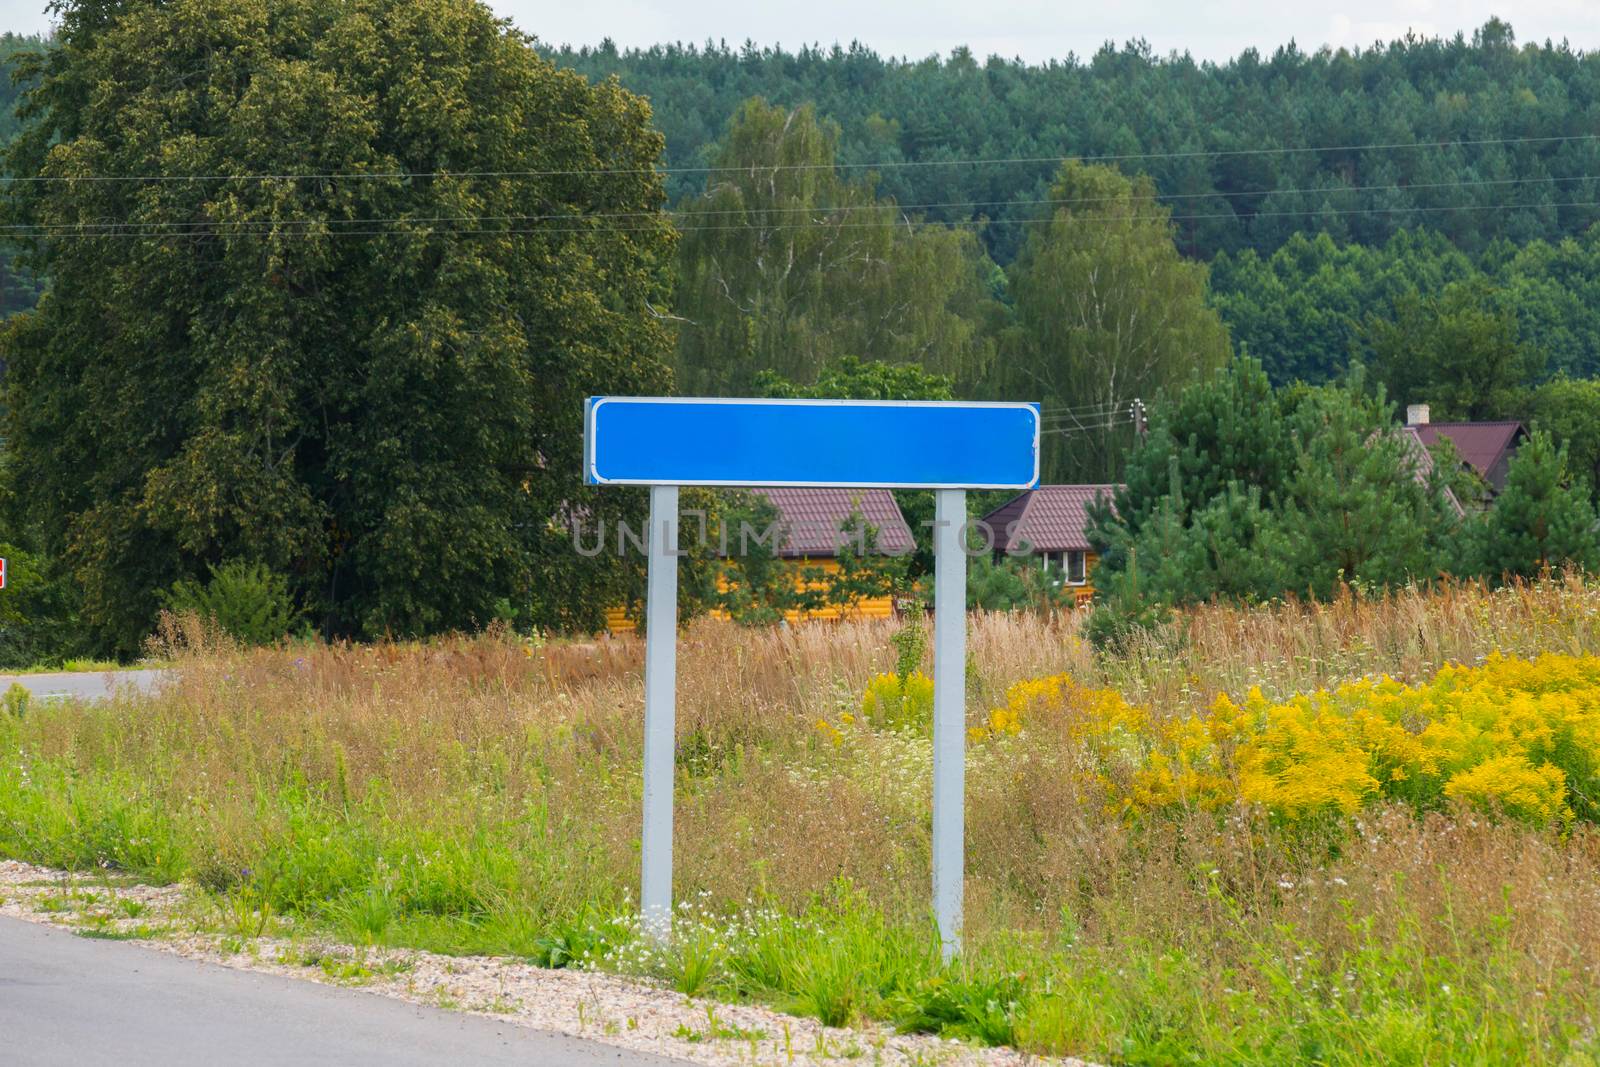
(831, 211)
(400, 175)
(1068, 424)
(1107, 425)
(1086, 429)
(272, 227)
(890, 205)
(1049, 412)
(1156, 197)
(1085, 420)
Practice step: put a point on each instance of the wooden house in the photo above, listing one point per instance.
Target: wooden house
(809, 537)
(1051, 524)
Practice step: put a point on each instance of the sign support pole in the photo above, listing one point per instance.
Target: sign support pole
(949, 713)
(946, 446)
(660, 713)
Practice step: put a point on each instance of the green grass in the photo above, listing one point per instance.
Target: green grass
(372, 881)
(717, 1030)
(348, 870)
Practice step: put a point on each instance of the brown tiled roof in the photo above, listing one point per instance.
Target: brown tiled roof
(1051, 518)
(1480, 444)
(1424, 465)
(812, 517)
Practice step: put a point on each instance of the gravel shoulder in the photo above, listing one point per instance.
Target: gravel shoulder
(622, 1013)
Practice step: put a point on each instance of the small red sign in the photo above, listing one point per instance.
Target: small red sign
(2, 573)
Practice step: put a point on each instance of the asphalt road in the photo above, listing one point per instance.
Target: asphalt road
(71, 1001)
(85, 685)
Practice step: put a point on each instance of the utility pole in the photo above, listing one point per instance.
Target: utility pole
(1141, 418)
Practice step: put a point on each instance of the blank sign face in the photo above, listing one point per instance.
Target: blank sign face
(849, 443)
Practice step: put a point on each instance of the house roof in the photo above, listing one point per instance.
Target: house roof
(812, 518)
(1051, 518)
(1480, 444)
(1424, 465)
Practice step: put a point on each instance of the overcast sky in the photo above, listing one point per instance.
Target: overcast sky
(1033, 29)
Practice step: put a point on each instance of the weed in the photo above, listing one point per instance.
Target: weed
(141, 932)
(243, 914)
(718, 1030)
(366, 916)
(348, 971)
(983, 1007)
(696, 956)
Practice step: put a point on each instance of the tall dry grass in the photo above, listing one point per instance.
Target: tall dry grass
(465, 780)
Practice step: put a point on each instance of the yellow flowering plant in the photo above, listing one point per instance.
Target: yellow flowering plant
(895, 703)
(1514, 736)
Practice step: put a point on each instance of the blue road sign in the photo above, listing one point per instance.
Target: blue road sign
(848, 443)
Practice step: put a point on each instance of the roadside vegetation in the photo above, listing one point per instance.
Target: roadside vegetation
(1145, 882)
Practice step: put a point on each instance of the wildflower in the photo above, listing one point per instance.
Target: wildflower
(1515, 737)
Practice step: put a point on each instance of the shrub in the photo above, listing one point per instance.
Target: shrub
(14, 701)
(39, 623)
(247, 601)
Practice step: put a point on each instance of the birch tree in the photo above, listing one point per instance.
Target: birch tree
(1106, 312)
(786, 265)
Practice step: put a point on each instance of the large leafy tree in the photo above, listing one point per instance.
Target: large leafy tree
(1496, 134)
(1458, 351)
(1569, 410)
(328, 280)
(786, 266)
(1106, 312)
(18, 291)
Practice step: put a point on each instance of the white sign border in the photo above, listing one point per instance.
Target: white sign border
(595, 403)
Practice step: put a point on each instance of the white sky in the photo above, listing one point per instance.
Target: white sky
(1033, 29)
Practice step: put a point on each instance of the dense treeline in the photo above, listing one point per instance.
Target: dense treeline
(1308, 308)
(1226, 144)
(358, 396)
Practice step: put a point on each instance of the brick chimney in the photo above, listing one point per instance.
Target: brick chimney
(1416, 414)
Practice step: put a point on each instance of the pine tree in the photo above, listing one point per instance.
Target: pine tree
(1541, 521)
(1355, 507)
(1224, 430)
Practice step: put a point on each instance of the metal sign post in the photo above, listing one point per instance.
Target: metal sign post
(660, 712)
(949, 712)
(667, 442)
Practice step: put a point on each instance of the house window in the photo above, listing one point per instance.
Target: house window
(1077, 567)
